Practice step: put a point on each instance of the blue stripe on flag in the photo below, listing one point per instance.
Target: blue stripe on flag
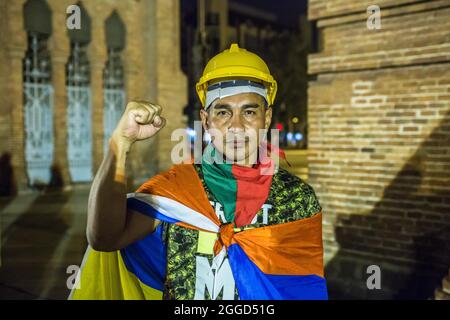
(253, 284)
(146, 259)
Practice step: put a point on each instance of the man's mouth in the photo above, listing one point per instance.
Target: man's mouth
(237, 143)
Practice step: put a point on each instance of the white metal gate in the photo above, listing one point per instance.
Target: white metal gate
(114, 100)
(79, 133)
(79, 118)
(113, 94)
(38, 115)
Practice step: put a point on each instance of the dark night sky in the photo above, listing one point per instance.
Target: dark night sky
(287, 11)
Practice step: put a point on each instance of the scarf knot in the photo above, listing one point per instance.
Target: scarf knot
(226, 233)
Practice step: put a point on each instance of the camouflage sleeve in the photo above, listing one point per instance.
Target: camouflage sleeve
(293, 199)
(310, 201)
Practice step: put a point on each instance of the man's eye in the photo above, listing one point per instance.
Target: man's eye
(249, 112)
(222, 113)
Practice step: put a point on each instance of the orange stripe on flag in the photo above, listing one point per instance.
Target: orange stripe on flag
(293, 248)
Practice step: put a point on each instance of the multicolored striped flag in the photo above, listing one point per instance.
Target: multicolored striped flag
(283, 261)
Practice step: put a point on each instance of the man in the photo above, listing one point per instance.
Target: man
(231, 227)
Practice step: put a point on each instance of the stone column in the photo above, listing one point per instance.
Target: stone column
(139, 61)
(171, 82)
(97, 58)
(59, 46)
(16, 47)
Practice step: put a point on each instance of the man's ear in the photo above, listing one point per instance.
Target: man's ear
(268, 118)
(204, 119)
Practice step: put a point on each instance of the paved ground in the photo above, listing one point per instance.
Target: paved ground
(42, 234)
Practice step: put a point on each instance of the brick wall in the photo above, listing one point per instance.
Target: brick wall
(379, 145)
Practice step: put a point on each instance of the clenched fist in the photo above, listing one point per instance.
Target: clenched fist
(141, 120)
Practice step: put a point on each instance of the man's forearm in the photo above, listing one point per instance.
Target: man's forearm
(107, 199)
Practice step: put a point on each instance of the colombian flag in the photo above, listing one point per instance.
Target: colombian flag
(283, 261)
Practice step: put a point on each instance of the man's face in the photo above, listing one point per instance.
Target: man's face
(234, 123)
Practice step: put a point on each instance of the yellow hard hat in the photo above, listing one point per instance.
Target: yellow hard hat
(233, 64)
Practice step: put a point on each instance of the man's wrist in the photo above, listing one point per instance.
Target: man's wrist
(119, 148)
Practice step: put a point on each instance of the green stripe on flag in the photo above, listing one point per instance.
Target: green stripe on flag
(220, 180)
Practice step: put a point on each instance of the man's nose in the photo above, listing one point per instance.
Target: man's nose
(236, 124)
